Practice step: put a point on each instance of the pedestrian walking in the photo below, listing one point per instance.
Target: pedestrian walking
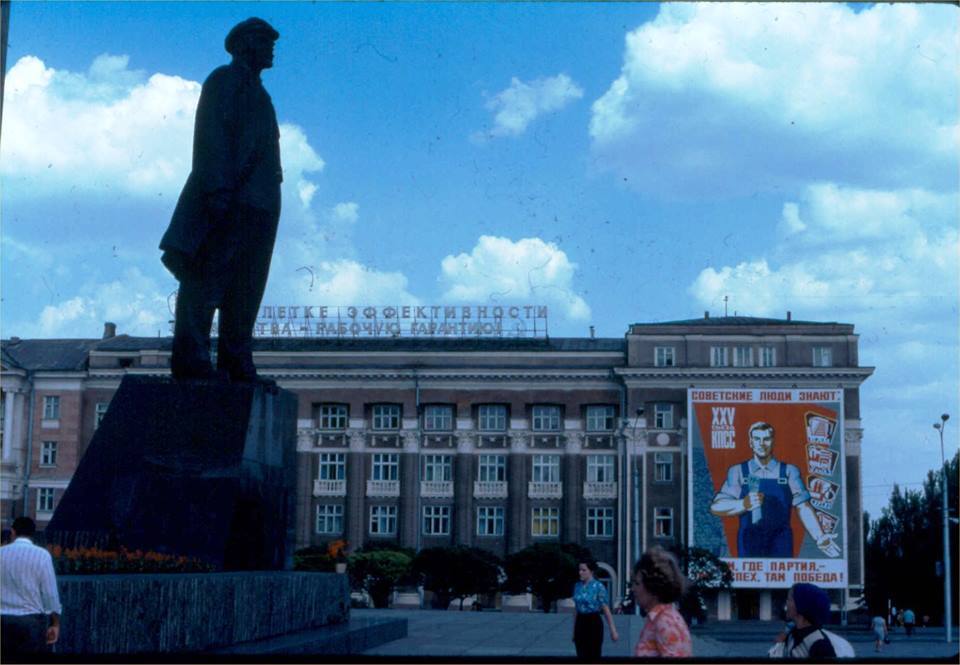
(590, 599)
(657, 584)
(808, 606)
(909, 621)
(879, 626)
(29, 601)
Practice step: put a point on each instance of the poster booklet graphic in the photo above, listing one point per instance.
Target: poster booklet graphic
(767, 484)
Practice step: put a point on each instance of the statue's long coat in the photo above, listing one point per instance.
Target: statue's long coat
(236, 149)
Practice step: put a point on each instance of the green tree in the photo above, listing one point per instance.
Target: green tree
(706, 574)
(904, 545)
(456, 572)
(378, 572)
(546, 570)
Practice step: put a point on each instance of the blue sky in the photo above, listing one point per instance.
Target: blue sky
(616, 162)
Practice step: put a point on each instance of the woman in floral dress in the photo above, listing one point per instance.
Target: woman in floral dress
(657, 583)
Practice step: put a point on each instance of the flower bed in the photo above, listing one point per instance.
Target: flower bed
(96, 561)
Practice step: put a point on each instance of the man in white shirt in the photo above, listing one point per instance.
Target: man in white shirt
(29, 601)
(761, 491)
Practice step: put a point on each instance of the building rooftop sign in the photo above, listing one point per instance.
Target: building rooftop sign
(402, 321)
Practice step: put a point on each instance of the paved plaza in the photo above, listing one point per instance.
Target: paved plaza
(536, 635)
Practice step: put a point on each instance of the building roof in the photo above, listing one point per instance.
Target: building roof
(72, 354)
(47, 354)
(739, 321)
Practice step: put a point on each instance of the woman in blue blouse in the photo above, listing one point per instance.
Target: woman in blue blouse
(590, 598)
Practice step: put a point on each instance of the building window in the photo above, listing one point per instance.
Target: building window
(51, 407)
(492, 417)
(546, 418)
(546, 468)
(742, 356)
(599, 418)
(329, 519)
(333, 466)
(599, 522)
(383, 520)
(437, 467)
(386, 416)
(386, 466)
(718, 356)
(45, 500)
(663, 416)
(663, 467)
(333, 416)
(663, 356)
(438, 418)
(663, 522)
(490, 521)
(822, 356)
(545, 522)
(768, 356)
(436, 520)
(600, 468)
(492, 468)
(48, 453)
(99, 411)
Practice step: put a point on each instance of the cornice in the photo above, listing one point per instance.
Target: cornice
(686, 376)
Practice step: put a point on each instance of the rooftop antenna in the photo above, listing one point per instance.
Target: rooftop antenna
(725, 299)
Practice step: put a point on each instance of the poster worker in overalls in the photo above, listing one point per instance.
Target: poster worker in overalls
(761, 491)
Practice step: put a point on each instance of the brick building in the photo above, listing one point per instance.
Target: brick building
(493, 442)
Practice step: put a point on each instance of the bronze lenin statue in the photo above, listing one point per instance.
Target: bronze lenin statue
(221, 236)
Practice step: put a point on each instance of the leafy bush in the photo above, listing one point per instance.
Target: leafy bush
(378, 572)
(456, 572)
(546, 570)
(321, 558)
(94, 561)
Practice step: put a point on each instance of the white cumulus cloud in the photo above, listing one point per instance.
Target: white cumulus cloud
(112, 128)
(879, 258)
(716, 98)
(522, 102)
(502, 270)
(134, 301)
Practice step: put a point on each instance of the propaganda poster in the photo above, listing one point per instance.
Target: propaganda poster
(767, 484)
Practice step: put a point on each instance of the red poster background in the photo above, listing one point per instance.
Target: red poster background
(790, 440)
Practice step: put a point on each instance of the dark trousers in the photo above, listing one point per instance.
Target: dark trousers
(230, 273)
(23, 635)
(588, 636)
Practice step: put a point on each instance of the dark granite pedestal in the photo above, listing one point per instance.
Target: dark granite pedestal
(204, 469)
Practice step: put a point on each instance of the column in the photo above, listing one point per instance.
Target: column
(7, 424)
(765, 605)
(723, 605)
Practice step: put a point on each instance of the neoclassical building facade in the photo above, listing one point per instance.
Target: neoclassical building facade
(494, 442)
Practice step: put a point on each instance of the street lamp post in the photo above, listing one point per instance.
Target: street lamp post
(947, 618)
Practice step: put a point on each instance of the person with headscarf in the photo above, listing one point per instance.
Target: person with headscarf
(808, 606)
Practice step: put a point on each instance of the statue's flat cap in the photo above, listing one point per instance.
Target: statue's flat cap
(251, 25)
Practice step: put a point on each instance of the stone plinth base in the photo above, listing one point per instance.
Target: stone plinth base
(128, 614)
(204, 469)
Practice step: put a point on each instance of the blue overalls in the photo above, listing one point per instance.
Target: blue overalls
(771, 536)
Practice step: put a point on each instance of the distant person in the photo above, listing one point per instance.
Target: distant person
(657, 584)
(590, 599)
(879, 626)
(808, 606)
(222, 232)
(29, 601)
(761, 491)
(909, 621)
